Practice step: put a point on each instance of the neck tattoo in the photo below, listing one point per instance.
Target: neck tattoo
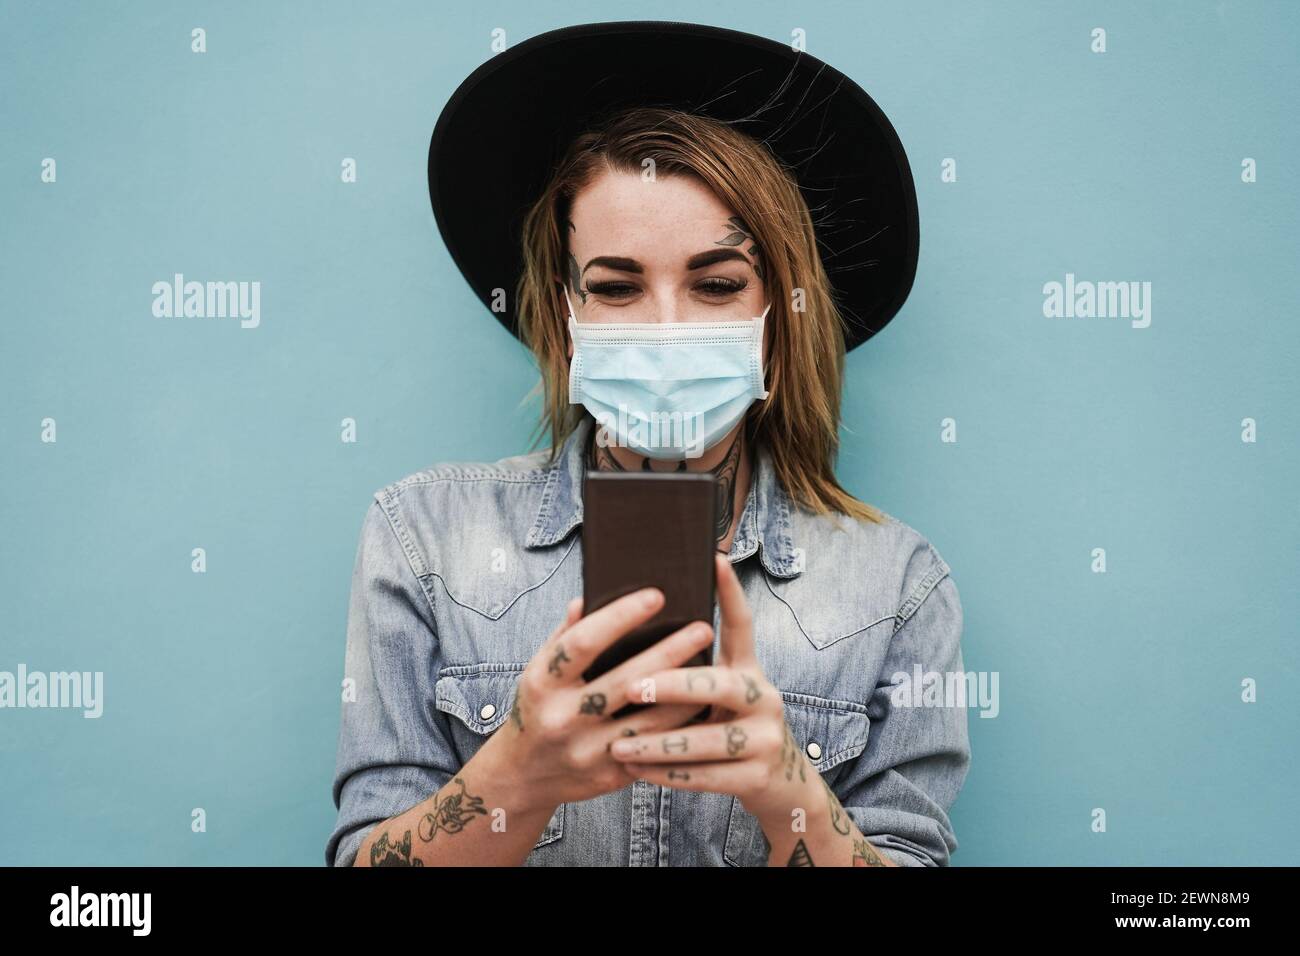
(726, 472)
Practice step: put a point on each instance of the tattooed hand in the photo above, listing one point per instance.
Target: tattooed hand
(561, 728)
(745, 747)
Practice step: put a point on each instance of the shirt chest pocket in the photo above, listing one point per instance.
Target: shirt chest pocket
(829, 733)
(478, 698)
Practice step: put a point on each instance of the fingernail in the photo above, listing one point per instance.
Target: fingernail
(624, 748)
(650, 598)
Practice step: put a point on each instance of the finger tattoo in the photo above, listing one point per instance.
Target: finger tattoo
(554, 666)
(735, 740)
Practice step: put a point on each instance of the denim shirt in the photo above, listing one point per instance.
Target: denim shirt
(464, 569)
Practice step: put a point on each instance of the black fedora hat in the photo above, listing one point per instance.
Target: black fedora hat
(505, 127)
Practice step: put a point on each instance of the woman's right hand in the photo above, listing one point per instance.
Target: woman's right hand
(558, 736)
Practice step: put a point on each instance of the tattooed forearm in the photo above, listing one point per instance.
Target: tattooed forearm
(790, 757)
(800, 856)
(385, 853)
(839, 819)
(864, 854)
(451, 813)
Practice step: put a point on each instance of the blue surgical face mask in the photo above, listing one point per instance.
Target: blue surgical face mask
(666, 390)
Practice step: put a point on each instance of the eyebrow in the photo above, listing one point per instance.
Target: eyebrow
(697, 261)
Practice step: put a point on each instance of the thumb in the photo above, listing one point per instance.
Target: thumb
(737, 638)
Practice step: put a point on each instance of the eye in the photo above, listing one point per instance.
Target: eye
(614, 290)
(718, 286)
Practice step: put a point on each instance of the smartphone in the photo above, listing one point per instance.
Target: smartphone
(644, 529)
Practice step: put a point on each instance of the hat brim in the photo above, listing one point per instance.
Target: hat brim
(505, 127)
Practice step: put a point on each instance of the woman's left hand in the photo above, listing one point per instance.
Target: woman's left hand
(745, 747)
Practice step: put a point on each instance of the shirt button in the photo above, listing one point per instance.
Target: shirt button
(487, 711)
(815, 750)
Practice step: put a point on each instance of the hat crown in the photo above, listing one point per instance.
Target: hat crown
(497, 139)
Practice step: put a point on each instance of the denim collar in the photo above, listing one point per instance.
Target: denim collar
(764, 524)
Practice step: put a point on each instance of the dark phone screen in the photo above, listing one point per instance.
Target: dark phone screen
(648, 530)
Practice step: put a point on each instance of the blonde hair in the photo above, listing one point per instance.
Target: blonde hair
(799, 421)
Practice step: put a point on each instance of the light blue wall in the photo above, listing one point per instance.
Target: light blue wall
(1119, 690)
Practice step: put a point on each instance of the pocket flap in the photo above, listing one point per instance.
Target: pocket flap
(481, 695)
(829, 732)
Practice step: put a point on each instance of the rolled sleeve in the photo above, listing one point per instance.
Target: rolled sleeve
(393, 745)
(899, 789)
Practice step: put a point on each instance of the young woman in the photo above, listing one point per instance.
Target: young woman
(468, 736)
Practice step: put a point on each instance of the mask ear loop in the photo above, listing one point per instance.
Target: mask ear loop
(575, 332)
(575, 363)
(760, 371)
